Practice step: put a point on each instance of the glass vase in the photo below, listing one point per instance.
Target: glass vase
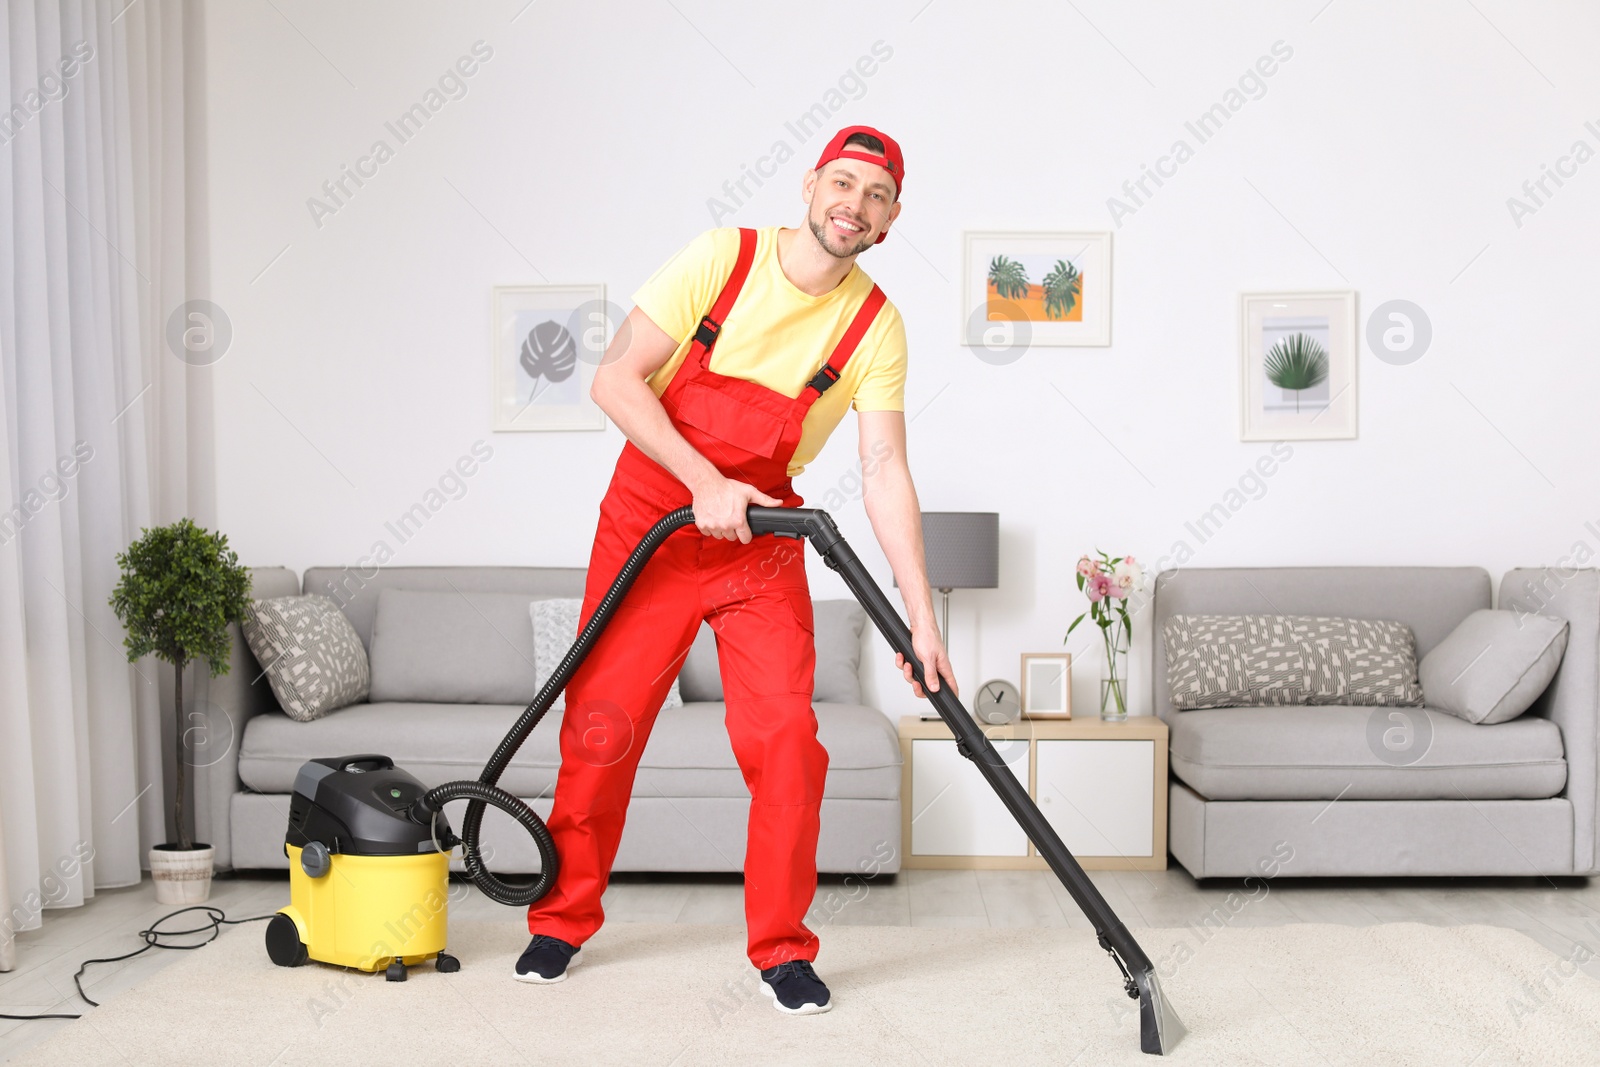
(1114, 677)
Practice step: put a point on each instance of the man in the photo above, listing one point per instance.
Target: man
(718, 381)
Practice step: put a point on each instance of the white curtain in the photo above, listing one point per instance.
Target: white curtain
(8, 946)
(103, 429)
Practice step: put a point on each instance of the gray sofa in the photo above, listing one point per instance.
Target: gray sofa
(690, 804)
(1302, 791)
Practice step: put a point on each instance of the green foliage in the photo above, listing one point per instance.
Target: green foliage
(181, 586)
(1296, 363)
(1009, 278)
(1062, 287)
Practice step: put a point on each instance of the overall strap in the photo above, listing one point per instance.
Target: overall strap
(845, 349)
(705, 335)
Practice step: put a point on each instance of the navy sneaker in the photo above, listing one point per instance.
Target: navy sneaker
(546, 959)
(795, 988)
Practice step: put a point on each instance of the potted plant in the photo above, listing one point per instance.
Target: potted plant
(1107, 582)
(181, 586)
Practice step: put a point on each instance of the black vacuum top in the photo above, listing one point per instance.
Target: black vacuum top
(359, 806)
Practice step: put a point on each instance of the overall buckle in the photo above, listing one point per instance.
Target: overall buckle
(706, 333)
(824, 378)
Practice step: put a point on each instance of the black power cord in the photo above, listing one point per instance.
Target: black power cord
(152, 939)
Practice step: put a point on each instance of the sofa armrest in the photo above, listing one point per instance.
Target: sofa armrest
(1572, 700)
(232, 700)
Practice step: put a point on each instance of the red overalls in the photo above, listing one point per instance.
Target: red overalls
(757, 600)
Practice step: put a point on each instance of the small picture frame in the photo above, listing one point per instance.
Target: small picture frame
(1297, 366)
(1047, 685)
(546, 343)
(1025, 289)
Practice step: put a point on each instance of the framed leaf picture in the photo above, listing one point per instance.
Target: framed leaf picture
(546, 343)
(1297, 366)
(1025, 289)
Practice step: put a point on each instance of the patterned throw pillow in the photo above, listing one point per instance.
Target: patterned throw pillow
(1218, 661)
(312, 656)
(555, 629)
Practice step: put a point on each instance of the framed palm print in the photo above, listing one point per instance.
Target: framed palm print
(546, 343)
(1025, 289)
(1297, 365)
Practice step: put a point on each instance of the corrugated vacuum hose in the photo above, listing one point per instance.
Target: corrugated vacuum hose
(486, 790)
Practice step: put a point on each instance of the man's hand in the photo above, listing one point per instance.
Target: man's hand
(925, 642)
(719, 506)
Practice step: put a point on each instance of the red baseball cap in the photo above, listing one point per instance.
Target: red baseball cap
(890, 161)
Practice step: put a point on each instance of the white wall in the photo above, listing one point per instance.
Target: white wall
(1380, 157)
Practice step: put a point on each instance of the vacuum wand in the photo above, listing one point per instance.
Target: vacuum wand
(1159, 1026)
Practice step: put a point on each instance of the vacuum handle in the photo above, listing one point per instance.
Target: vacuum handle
(375, 762)
(812, 523)
(785, 522)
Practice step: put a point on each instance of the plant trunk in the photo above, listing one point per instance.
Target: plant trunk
(185, 841)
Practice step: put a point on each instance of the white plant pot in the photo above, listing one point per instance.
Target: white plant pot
(182, 877)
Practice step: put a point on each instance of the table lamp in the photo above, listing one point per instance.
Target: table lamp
(961, 550)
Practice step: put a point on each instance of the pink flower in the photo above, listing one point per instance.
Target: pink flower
(1098, 587)
(1086, 566)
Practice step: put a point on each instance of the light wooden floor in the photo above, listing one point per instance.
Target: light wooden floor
(1556, 913)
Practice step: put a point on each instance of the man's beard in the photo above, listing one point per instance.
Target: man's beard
(822, 230)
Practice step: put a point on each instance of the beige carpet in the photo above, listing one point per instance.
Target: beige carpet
(660, 995)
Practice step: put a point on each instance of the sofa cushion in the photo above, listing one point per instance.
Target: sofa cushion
(452, 647)
(555, 631)
(312, 657)
(1494, 665)
(687, 755)
(838, 637)
(1280, 660)
(838, 625)
(1328, 751)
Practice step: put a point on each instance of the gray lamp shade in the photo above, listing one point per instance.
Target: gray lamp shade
(962, 549)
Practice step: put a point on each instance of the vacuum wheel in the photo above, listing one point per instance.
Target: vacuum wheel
(284, 946)
(396, 972)
(446, 963)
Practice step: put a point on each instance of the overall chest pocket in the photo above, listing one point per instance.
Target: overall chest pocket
(726, 417)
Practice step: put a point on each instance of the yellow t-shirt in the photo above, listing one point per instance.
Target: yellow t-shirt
(777, 335)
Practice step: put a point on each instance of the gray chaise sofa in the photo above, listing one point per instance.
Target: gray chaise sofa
(1252, 786)
(690, 803)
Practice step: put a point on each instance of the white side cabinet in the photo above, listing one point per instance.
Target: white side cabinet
(1101, 786)
(1098, 795)
(954, 811)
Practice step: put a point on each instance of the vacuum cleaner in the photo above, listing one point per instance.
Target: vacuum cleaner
(369, 845)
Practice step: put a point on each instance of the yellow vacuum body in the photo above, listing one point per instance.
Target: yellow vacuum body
(368, 886)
